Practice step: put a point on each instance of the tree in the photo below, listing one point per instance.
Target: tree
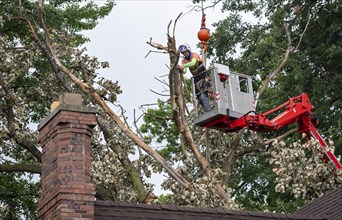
(46, 50)
(306, 70)
(30, 79)
(41, 44)
(274, 51)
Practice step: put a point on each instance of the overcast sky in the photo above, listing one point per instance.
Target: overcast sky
(121, 39)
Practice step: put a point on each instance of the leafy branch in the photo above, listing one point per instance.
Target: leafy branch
(54, 60)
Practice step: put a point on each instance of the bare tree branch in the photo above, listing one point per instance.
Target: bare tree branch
(125, 162)
(98, 99)
(228, 166)
(273, 74)
(20, 168)
(159, 93)
(178, 103)
(9, 98)
(174, 26)
(153, 51)
(157, 46)
(259, 147)
(302, 35)
(141, 106)
(45, 51)
(197, 8)
(162, 81)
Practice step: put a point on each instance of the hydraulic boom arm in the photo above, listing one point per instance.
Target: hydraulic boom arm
(297, 109)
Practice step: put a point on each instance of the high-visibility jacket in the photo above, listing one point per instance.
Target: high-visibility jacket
(195, 67)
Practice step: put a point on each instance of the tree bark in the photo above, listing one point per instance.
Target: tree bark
(9, 98)
(126, 164)
(20, 168)
(228, 166)
(177, 101)
(54, 60)
(273, 74)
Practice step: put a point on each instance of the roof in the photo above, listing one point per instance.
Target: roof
(329, 205)
(133, 211)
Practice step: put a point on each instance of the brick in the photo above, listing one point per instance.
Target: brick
(66, 184)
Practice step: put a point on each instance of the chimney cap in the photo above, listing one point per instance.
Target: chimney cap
(71, 102)
(70, 99)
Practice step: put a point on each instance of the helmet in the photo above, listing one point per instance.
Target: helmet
(184, 47)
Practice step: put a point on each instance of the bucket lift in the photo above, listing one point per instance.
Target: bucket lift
(233, 109)
(232, 98)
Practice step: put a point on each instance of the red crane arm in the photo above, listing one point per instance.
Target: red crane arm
(297, 109)
(328, 155)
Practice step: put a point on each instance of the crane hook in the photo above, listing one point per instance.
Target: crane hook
(203, 34)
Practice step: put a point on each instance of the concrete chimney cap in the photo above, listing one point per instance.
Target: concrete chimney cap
(70, 99)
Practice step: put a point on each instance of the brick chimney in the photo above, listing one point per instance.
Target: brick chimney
(65, 135)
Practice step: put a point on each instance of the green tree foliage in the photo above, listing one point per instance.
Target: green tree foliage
(29, 84)
(159, 127)
(18, 197)
(30, 80)
(255, 188)
(312, 67)
(256, 48)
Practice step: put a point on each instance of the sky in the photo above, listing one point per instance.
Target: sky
(121, 40)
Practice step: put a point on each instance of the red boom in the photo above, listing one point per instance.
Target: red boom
(297, 109)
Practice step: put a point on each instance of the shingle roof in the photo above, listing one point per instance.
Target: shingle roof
(131, 211)
(329, 205)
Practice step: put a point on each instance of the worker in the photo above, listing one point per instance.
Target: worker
(193, 61)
